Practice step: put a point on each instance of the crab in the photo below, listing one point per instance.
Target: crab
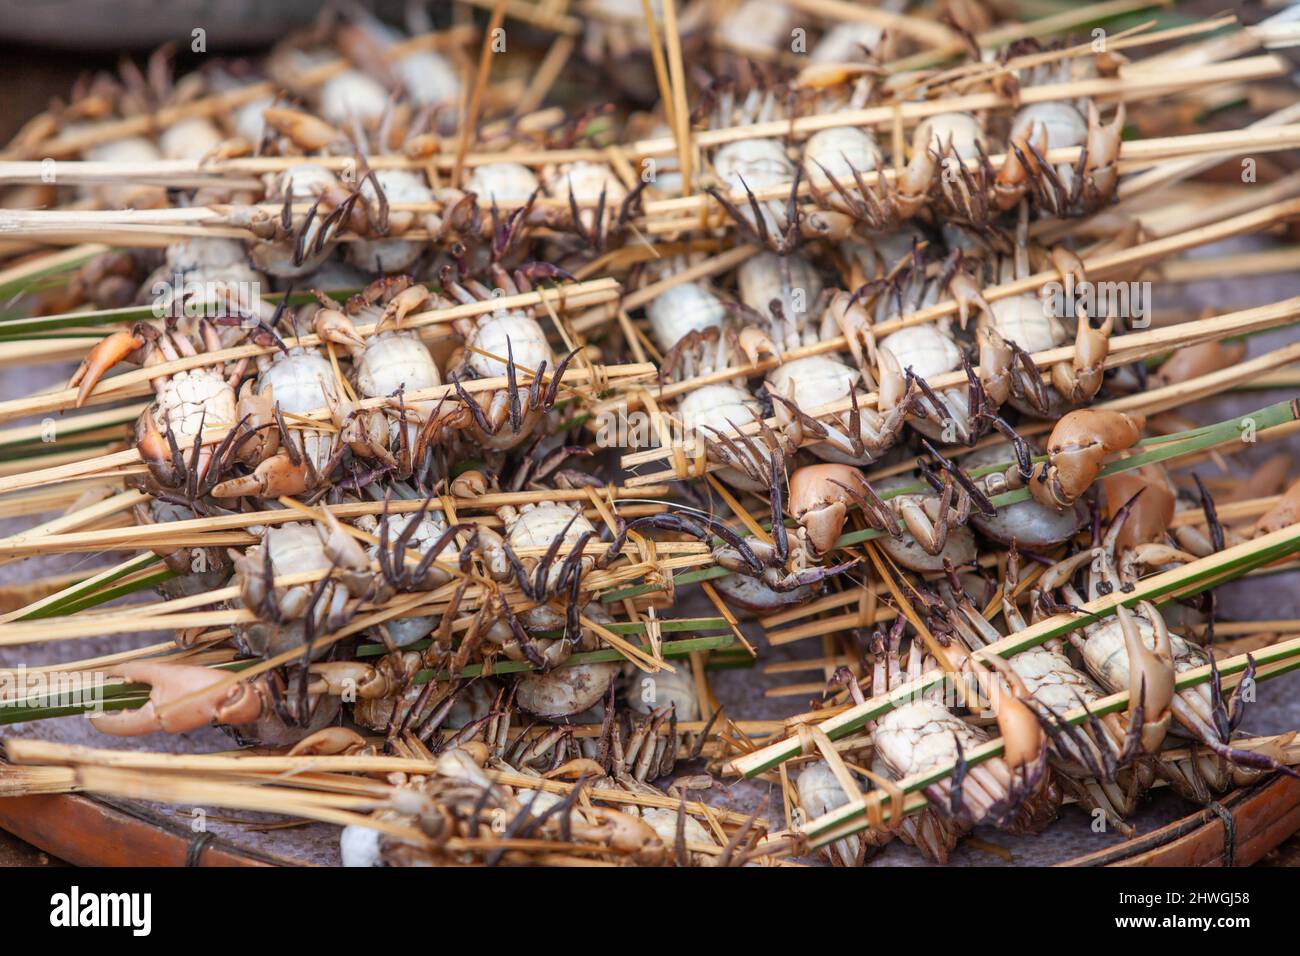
(173, 434)
(293, 615)
(502, 343)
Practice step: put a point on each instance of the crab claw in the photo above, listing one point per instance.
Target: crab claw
(1078, 380)
(855, 325)
(1023, 742)
(333, 326)
(756, 344)
(968, 296)
(1068, 264)
(306, 130)
(327, 742)
(276, 476)
(407, 301)
(820, 496)
(914, 182)
(1013, 178)
(821, 76)
(1077, 449)
(100, 359)
(1150, 674)
(343, 549)
(1103, 150)
(181, 697)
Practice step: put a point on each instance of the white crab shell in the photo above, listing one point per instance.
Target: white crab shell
(815, 380)
(923, 349)
(762, 26)
(428, 77)
(964, 130)
(248, 119)
(390, 255)
(192, 396)
(208, 256)
(651, 692)
(683, 309)
(191, 138)
(1065, 125)
(1025, 320)
(350, 95)
(820, 793)
(920, 735)
(587, 180)
(843, 43)
(129, 150)
(1051, 679)
(538, 526)
(506, 183)
(762, 279)
(756, 163)
(301, 381)
(393, 360)
(664, 822)
(838, 152)
(717, 406)
(508, 333)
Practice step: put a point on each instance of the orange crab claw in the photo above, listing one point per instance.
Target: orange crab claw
(306, 130)
(333, 326)
(820, 76)
(1013, 178)
(1077, 449)
(401, 305)
(181, 697)
(100, 359)
(1150, 674)
(819, 498)
(757, 344)
(968, 295)
(327, 742)
(914, 182)
(276, 476)
(1103, 149)
(1079, 379)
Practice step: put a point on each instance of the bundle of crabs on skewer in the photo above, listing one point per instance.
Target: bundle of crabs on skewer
(950, 163)
(921, 529)
(1108, 762)
(781, 311)
(1136, 647)
(1012, 791)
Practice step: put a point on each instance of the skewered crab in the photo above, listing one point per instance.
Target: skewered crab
(173, 433)
(277, 436)
(1135, 651)
(502, 343)
(386, 364)
(293, 615)
(924, 733)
